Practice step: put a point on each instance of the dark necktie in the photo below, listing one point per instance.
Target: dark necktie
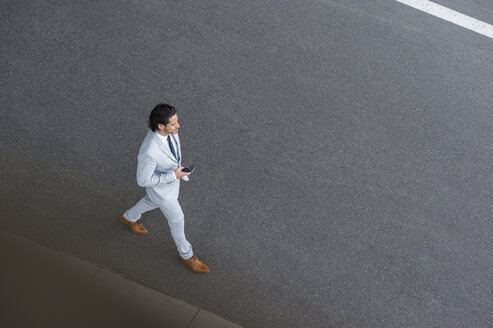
(171, 147)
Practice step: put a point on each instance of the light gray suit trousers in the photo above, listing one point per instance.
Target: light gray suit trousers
(155, 169)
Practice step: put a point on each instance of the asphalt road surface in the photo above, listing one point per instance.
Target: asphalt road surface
(344, 152)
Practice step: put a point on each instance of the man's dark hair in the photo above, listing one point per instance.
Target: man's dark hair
(160, 115)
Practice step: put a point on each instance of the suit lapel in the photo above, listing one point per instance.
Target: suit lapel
(178, 148)
(164, 148)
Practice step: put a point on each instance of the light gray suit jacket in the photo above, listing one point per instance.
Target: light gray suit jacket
(155, 169)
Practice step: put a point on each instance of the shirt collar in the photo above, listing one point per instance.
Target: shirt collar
(162, 138)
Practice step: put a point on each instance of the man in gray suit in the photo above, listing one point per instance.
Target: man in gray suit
(159, 170)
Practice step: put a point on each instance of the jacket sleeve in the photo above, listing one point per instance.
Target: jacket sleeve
(147, 176)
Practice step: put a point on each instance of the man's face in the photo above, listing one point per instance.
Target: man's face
(171, 127)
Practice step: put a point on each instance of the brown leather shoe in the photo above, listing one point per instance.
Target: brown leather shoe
(134, 226)
(196, 265)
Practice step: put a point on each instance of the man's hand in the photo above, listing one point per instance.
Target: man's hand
(179, 174)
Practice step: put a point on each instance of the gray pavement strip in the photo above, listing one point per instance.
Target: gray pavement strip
(205, 319)
(152, 305)
(45, 287)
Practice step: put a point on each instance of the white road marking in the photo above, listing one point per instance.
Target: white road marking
(452, 16)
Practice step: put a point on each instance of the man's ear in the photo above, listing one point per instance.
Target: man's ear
(160, 126)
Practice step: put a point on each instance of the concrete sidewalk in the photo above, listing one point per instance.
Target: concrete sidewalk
(41, 287)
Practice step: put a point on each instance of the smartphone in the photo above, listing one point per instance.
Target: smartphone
(188, 169)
